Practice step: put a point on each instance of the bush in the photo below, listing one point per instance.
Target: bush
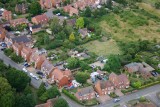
(113, 95)
(16, 58)
(8, 51)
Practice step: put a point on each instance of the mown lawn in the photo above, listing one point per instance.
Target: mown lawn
(104, 48)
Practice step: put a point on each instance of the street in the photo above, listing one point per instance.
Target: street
(35, 83)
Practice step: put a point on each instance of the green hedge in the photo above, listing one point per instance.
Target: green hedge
(148, 85)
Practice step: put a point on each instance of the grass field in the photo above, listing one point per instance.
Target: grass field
(103, 48)
(132, 26)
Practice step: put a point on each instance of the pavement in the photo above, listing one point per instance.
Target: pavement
(154, 99)
(35, 83)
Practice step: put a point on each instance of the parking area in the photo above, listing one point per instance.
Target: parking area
(104, 98)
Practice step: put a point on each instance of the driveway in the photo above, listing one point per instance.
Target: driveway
(104, 98)
(118, 92)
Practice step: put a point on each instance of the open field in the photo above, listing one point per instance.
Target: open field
(132, 25)
(103, 48)
(149, 8)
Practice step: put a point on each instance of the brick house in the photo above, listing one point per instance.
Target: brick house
(19, 21)
(86, 93)
(17, 48)
(21, 8)
(47, 4)
(37, 59)
(2, 33)
(47, 67)
(69, 9)
(26, 53)
(119, 81)
(142, 68)
(40, 19)
(7, 15)
(61, 78)
(103, 87)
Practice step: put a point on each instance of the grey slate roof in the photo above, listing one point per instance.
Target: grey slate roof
(86, 90)
(19, 39)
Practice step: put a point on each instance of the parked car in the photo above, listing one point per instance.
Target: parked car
(96, 94)
(40, 73)
(154, 73)
(116, 100)
(4, 45)
(45, 84)
(35, 77)
(25, 70)
(2, 49)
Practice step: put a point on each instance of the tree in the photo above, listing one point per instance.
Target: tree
(61, 103)
(136, 84)
(84, 66)
(72, 63)
(6, 94)
(46, 39)
(25, 101)
(81, 77)
(55, 26)
(88, 12)
(109, 4)
(35, 8)
(157, 5)
(27, 90)
(50, 93)
(113, 64)
(41, 90)
(72, 37)
(18, 79)
(80, 23)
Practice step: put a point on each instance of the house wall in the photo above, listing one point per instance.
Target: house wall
(63, 81)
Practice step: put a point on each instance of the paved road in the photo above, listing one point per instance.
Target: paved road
(35, 83)
(138, 94)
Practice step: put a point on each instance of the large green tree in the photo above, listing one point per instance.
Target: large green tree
(72, 63)
(113, 64)
(81, 77)
(35, 8)
(50, 93)
(6, 94)
(41, 90)
(80, 23)
(61, 103)
(55, 26)
(18, 79)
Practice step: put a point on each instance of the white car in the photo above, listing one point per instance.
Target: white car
(25, 70)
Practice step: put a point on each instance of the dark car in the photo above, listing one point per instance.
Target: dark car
(4, 45)
(46, 84)
(40, 73)
(2, 49)
(154, 73)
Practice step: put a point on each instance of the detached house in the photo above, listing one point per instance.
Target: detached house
(17, 48)
(37, 59)
(21, 8)
(7, 15)
(61, 78)
(69, 9)
(119, 81)
(19, 21)
(40, 19)
(47, 67)
(143, 68)
(87, 93)
(103, 87)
